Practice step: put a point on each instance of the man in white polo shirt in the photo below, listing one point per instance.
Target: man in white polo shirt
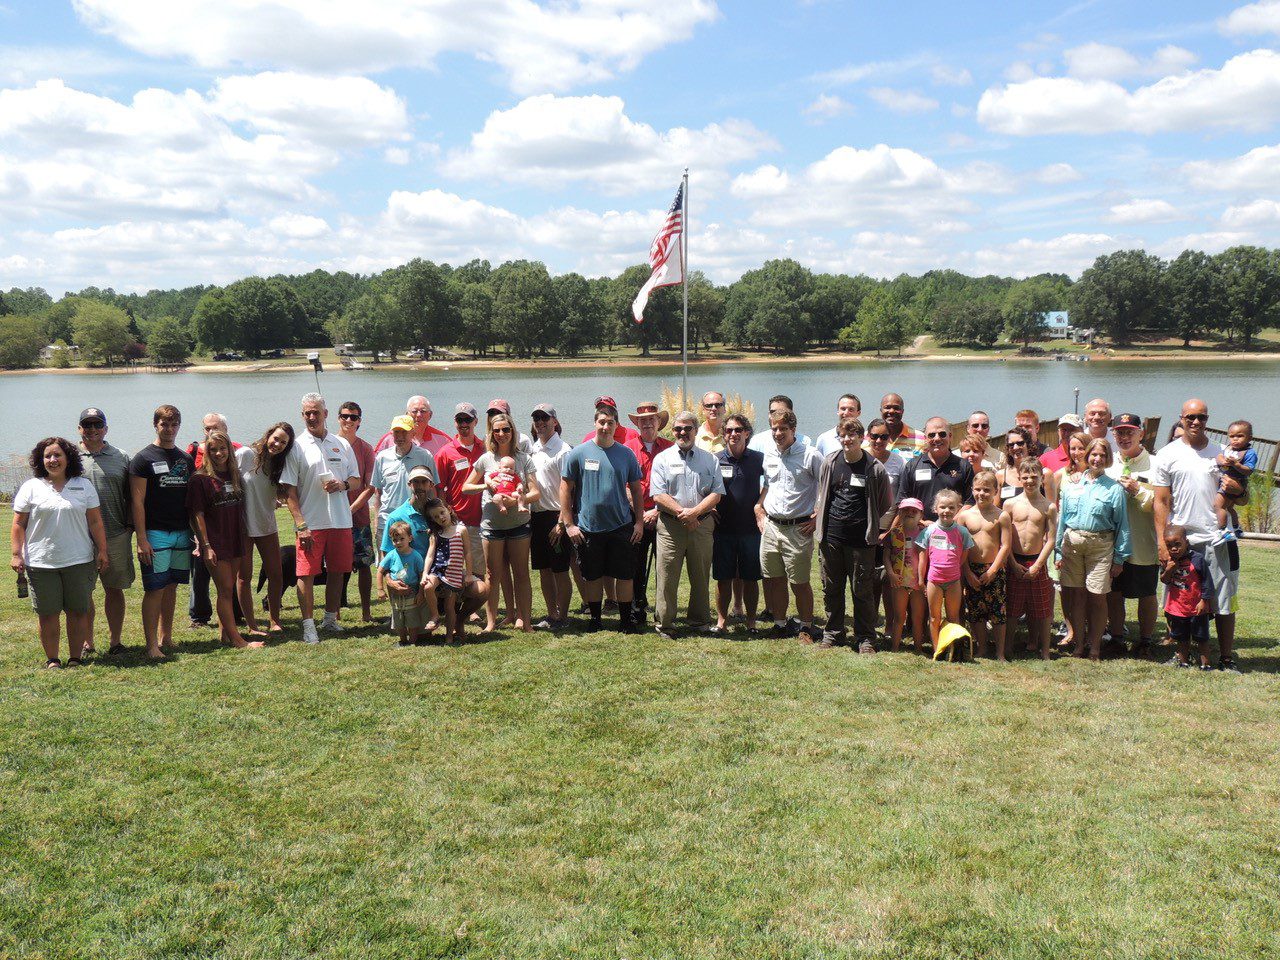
(316, 482)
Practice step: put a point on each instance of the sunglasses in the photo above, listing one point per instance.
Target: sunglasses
(93, 424)
(682, 429)
(712, 406)
(463, 418)
(1196, 417)
(938, 433)
(540, 417)
(877, 436)
(735, 430)
(498, 430)
(979, 426)
(348, 416)
(1016, 443)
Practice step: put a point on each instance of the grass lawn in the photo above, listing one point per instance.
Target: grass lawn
(610, 796)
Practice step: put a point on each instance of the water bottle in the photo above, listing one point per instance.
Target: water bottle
(22, 584)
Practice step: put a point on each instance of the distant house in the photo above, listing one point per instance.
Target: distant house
(1057, 324)
(48, 352)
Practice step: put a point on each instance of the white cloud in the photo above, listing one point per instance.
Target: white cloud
(902, 101)
(332, 110)
(856, 188)
(1262, 17)
(1244, 93)
(1254, 172)
(549, 140)
(538, 47)
(949, 76)
(69, 153)
(875, 70)
(1056, 173)
(27, 64)
(396, 155)
(1259, 213)
(297, 226)
(1143, 211)
(827, 107)
(1069, 253)
(1100, 61)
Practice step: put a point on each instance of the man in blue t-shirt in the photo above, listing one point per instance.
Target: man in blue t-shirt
(602, 509)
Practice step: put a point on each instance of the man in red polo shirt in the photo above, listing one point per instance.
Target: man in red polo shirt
(1055, 459)
(645, 443)
(424, 434)
(620, 434)
(454, 463)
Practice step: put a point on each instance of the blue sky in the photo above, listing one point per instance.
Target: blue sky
(147, 143)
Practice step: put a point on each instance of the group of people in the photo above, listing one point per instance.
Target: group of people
(448, 528)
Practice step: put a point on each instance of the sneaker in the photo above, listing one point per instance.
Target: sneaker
(1228, 665)
(544, 624)
(779, 630)
(331, 626)
(1225, 535)
(809, 634)
(664, 634)
(1175, 662)
(793, 625)
(1209, 666)
(309, 634)
(866, 646)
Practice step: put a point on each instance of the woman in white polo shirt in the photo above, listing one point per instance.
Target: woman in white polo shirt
(59, 541)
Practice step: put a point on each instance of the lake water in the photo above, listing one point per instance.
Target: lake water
(37, 405)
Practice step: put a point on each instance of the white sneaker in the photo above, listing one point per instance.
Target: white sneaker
(331, 626)
(309, 634)
(1225, 535)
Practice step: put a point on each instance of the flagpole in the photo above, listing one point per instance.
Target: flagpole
(684, 271)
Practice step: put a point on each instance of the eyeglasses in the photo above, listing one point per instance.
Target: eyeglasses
(875, 437)
(92, 424)
(348, 416)
(938, 433)
(541, 417)
(712, 406)
(685, 429)
(1196, 417)
(498, 430)
(463, 418)
(979, 426)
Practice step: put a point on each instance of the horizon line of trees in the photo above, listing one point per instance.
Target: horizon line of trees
(520, 309)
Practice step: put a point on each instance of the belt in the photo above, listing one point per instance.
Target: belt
(789, 523)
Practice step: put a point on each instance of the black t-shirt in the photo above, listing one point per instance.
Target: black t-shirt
(167, 473)
(736, 512)
(846, 523)
(923, 480)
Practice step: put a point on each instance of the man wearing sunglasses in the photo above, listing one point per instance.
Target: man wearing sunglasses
(454, 463)
(349, 417)
(979, 425)
(107, 468)
(711, 435)
(935, 468)
(1185, 479)
(686, 485)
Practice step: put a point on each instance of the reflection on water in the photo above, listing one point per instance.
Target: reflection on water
(40, 404)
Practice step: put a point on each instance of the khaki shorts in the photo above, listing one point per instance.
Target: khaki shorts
(407, 614)
(479, 563)
(120, 574)
(786, 552)
(59, 589)
(1086, 560)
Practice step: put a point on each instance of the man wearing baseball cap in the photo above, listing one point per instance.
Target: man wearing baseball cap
(107, 468)
(621, 434)
(1057, 458)
(422, 490)
(1131, 468)
(391, 469)
(453, 465)
(549, 551)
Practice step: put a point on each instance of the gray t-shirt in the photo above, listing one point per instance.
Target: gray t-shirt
(491, 518)
(108, 471)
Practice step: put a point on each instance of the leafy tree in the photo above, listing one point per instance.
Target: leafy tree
(1251, 278)
(879, 324)
(373, 322)
(102, 332)
(767, 307)
(706, 309)
(1119, 295)
(168, 341)
(422, 302)
(525, 309)
(580, 311)
(475, 318)
(61, 357)
(26, 303)
(21, 341)
(1024, 307)
(662, 314)
(57, 320)
(976, 322)
(216, 321)
(1196, 295)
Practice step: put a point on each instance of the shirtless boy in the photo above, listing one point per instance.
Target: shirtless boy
(1034, 520)
(985, 574)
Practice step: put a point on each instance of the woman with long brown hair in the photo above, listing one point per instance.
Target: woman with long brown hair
(260, 465)
(504, 519)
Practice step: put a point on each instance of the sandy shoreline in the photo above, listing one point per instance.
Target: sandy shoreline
(631, 361)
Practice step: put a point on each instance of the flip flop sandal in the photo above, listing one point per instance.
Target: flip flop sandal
(116, 650)
(74, 662)
(53, 663)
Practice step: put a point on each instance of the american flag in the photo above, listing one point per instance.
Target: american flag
(664, 256)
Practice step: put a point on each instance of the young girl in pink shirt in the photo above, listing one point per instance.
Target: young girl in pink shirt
(944, 546)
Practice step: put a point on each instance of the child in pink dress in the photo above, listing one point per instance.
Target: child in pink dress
(904, 574)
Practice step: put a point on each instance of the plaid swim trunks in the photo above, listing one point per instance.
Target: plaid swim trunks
(1032, 596)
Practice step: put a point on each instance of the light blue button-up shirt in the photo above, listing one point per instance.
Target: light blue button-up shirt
(791, 480)
(687, 476)
(1097, 505)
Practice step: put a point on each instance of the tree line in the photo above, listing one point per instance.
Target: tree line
(520, 309)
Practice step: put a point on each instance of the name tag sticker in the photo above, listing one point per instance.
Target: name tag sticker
(726, 472)
(462, 465)
(677, 468)
(159, 468)
(923, 475)
(857, 481)
(591, 466)
(939, 542)
(228, 488)
(1007, 493)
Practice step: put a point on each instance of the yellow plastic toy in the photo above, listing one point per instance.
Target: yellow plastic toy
(954, 643)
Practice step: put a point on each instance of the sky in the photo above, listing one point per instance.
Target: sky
(159, 143)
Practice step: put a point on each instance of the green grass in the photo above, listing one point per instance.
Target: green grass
(609, 796)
